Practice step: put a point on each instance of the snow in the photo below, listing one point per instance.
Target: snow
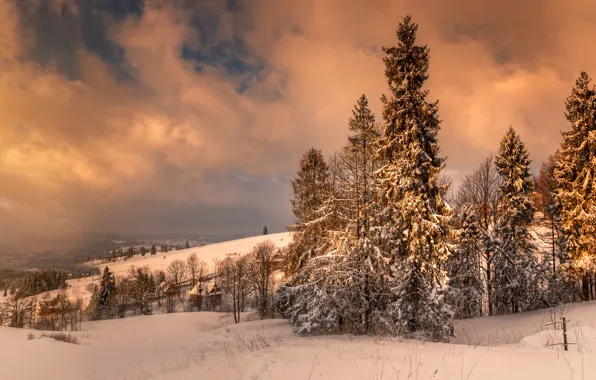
(511, 328)
(206, 345)
(579, 339)
(209, 346)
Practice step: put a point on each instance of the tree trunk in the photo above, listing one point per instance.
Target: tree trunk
(488, 285)
(554, 247)
(585, 287)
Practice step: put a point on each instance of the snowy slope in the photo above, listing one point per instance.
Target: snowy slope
(511, 328)
(206, 253)
(160, 261)
(206, 346)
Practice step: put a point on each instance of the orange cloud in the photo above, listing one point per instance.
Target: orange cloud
(68, 147)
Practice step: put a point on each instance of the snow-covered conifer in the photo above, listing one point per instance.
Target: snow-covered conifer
(464, 267)
(513, 282)
(413, 227)
(107, 292)
(575, 173)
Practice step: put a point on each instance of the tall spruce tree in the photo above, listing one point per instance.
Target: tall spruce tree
(513, 283)
(413, 226)
(575, 173)
(312, 192)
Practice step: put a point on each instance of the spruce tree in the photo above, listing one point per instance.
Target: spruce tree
(513, 284)
(360, 259)
(413, 226)
(575, 173)
(265, 231)
(107, 293)
(464, 267)
(153, 249)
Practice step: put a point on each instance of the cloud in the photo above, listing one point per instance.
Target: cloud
(190, 100)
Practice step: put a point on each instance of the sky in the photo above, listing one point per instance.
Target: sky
(190, 117)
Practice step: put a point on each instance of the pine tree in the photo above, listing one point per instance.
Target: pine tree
(412, 228)
(187, 245)
(312, 190)
(153, 250)
(107, 292)
(143, 252)
(265, 231)
(514, 266)
(464, 267)
(575, 173)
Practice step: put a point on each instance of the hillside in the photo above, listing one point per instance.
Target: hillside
(207, 253)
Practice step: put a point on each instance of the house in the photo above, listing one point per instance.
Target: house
(205, 292)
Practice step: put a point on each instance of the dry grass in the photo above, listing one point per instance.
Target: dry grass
(62, 336)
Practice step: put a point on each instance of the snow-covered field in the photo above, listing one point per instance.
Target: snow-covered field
(209, 346)
(207, 253)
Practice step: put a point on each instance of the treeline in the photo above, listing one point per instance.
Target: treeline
(24, 284)
(376, 248)
(126, 253)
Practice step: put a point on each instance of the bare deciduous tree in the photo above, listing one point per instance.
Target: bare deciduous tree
(196, 269)
(177, 273)
(235, 281)
(123, 296)
(262, 261)
(480, 191)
